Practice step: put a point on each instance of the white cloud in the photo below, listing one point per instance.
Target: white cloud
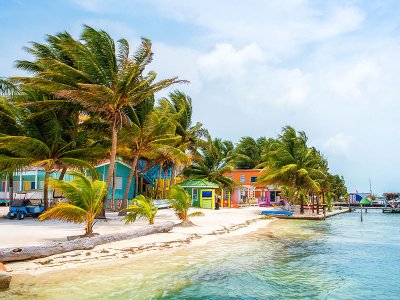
(225, 61)
(281, 27)
(339, 143)
(329, 68)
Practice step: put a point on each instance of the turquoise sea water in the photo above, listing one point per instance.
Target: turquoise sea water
(340, 258)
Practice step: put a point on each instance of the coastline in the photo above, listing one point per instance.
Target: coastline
(215, 224)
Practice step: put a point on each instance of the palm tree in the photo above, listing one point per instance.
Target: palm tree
(213, 161)
(43, 146)
(180, 201)
(8, 125)
(338, 186)
(167, 156)
(142, 207)
(148, 133)
(85, 198)
(95, 75)
(292, 163)
(250, 153)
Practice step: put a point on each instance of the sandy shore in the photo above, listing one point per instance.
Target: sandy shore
(226, 222)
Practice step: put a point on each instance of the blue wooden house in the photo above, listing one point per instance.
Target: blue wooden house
(29, 183)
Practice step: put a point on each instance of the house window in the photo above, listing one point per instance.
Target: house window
(118, 183)
(242, 178)
(229, 176)
(253, 178)
(16, 186)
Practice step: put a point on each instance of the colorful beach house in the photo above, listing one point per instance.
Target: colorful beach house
(28, 184)
(202, 192)
(147, 180)
(248, 192)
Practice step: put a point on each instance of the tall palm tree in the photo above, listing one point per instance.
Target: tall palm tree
(9, 125)
(249, 153)
(43, 145)
(213, 161)
(179, 105)
(85, 198)
(94, 74)
(148, 133)
(293, 164)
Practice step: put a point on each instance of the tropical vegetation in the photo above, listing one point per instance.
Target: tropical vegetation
(92, 99)
(142, 207)
(85, 201)
(180, 201)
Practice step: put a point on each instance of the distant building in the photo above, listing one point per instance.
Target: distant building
(355, 198)
(248, 192)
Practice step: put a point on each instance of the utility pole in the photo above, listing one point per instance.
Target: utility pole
(370, 188)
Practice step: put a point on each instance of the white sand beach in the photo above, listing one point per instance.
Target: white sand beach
(29, 232)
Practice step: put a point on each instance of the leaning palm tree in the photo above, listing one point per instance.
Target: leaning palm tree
(44, 146)
(249, 153)
(142, 207)
(179, 106)
(85, 201)
(291, 163)
(94, 74)
(146, 135)
(8, 125)
(180, 201)
(213, 161)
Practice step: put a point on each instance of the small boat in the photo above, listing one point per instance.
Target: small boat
(277, 212)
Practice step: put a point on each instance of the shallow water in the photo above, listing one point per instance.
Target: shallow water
(340, 258)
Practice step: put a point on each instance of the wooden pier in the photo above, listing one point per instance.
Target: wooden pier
(390, 210)
(314, 216)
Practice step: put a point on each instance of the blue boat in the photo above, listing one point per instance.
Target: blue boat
(277, 212)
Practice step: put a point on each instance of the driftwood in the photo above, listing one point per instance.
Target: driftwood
(52, 248)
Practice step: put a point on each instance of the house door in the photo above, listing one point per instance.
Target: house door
(195, 198)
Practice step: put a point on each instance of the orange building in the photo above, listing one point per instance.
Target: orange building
(248, 192)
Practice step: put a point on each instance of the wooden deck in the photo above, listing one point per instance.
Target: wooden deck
(389, 210)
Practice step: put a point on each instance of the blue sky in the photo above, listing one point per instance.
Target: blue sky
(330, 68)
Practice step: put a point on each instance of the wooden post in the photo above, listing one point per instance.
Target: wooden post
(361, 212)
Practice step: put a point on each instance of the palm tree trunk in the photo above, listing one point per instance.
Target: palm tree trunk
(46, 189)
(159, 179)
(317, 204)
(11, 187)
(165, 183)
(63, 171)
(301, 204)
(113, 190)
(124, 205)
(312, 203)
(89, 226)
(136, 181)
(113, 155)
(172, 182)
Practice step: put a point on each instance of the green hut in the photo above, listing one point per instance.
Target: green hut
(201, 191)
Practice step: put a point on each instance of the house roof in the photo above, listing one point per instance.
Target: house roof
(117, 161)
(199, 183)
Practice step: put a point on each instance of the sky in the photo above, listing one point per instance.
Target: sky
(329, 68)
